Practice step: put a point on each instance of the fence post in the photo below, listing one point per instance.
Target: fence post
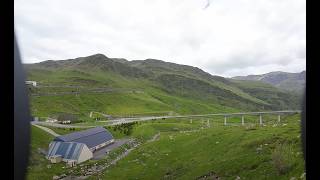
(260, 118)
(225, 120)
(242, 120)
(279, 118)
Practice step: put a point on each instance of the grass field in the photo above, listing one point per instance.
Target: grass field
(39, 167)
(176, 90)
(250, 153)
(188, 150)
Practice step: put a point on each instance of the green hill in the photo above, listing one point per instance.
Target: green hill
(294, 82)
(119, 87)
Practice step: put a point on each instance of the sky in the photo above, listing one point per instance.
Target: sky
(222, 37)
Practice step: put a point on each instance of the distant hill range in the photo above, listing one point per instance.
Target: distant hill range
(288, 81)
(117, 86)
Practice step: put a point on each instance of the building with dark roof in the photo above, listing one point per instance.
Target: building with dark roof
(94, 138)
(74, 146)
(68, 152)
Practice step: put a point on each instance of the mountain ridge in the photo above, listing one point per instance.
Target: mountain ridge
(294, 82)
(165, 86)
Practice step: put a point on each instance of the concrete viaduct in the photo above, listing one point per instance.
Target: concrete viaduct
(225, 115)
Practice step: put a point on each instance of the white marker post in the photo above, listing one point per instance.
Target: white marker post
(279, 118)
(225, 120)
(260, 118)
(242, 120)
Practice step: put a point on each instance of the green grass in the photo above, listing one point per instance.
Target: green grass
(162, 89)
(167, 92)
(151, 102)
(252, 153)
(38, 164)
(227, 151)
(63, 131)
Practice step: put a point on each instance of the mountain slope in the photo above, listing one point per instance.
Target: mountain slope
(119, 87)
(281, 99)
(294, 82)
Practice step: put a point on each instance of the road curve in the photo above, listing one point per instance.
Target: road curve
(47, 130)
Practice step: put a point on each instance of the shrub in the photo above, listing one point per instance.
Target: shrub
(282, 158)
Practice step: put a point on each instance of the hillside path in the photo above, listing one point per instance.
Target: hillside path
(47, 130)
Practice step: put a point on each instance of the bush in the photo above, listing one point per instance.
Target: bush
(282, 158)
(125, 128)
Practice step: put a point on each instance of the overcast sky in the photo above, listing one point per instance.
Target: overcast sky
(222, 37)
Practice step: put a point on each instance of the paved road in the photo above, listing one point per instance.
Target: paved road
(47, 130)
(137, 119)
(81, 90)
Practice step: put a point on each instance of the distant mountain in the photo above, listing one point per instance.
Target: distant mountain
(117, 86)
(294, 82)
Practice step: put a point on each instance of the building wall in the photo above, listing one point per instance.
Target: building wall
(85, 155)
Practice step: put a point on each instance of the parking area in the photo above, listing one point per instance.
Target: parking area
(99, 154)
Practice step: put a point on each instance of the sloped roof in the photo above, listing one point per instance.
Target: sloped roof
(91, 137)
(68, 150)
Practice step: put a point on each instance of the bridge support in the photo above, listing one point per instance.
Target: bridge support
(242, 120)
(260, 119)
(225, 120)
(279, 118)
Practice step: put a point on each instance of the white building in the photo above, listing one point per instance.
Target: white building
(50, 120)
(33, 83)
(68, 152)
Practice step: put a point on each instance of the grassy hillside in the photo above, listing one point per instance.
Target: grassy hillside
(280, 99)
(188, 150)
(271, 152)
(293, 82)
(120, 87)
(39, 167)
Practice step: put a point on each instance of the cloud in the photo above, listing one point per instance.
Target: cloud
(228, 37)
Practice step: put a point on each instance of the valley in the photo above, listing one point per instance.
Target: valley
(182, 122)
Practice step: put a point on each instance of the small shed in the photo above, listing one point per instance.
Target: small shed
(55, 158)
